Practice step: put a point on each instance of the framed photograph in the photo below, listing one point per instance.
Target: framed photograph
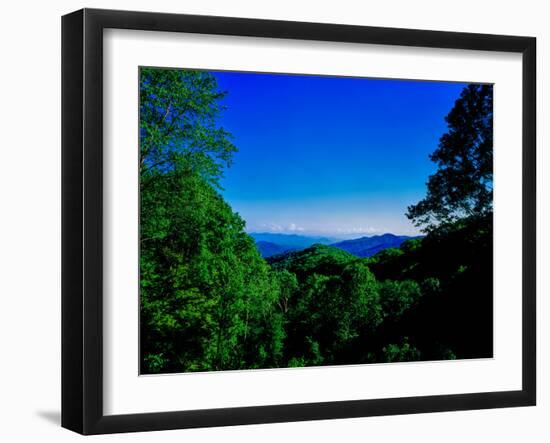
(268, 221)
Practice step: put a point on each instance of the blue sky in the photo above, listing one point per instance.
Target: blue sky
(330, 155)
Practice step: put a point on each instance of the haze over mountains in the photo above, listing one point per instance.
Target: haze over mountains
(271, 244)
(368, 246)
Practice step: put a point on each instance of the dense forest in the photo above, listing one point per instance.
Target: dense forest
(209, 301)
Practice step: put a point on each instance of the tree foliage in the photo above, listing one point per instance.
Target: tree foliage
(178, 123)
(462, 186)
(208, 300)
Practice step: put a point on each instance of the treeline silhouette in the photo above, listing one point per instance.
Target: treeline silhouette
(209, 301)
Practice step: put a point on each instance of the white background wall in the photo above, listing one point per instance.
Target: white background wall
(30, 219)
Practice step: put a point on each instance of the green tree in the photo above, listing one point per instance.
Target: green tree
(403, 352)
(398, 297)
(179, 110)
(360, 300)
(288, 285)
(335, 305)
(208, 299)
(462, 186)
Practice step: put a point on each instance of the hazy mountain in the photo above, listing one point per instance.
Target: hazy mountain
(267, 249)
(271, 244)
(291, 240)
(367, 246)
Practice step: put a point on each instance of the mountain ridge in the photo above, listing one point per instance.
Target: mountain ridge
(271, 244)
(369, 246)
(292, 239)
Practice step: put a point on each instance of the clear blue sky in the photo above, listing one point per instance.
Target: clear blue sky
(328, 155)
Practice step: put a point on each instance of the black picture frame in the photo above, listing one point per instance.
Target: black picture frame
(82, 218)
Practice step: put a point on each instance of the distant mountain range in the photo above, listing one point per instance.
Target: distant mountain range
(270, 244)
(291, 241)
(368, 246)
(268, 249)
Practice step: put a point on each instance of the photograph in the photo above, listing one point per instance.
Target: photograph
(294, 218)
(300, 220)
